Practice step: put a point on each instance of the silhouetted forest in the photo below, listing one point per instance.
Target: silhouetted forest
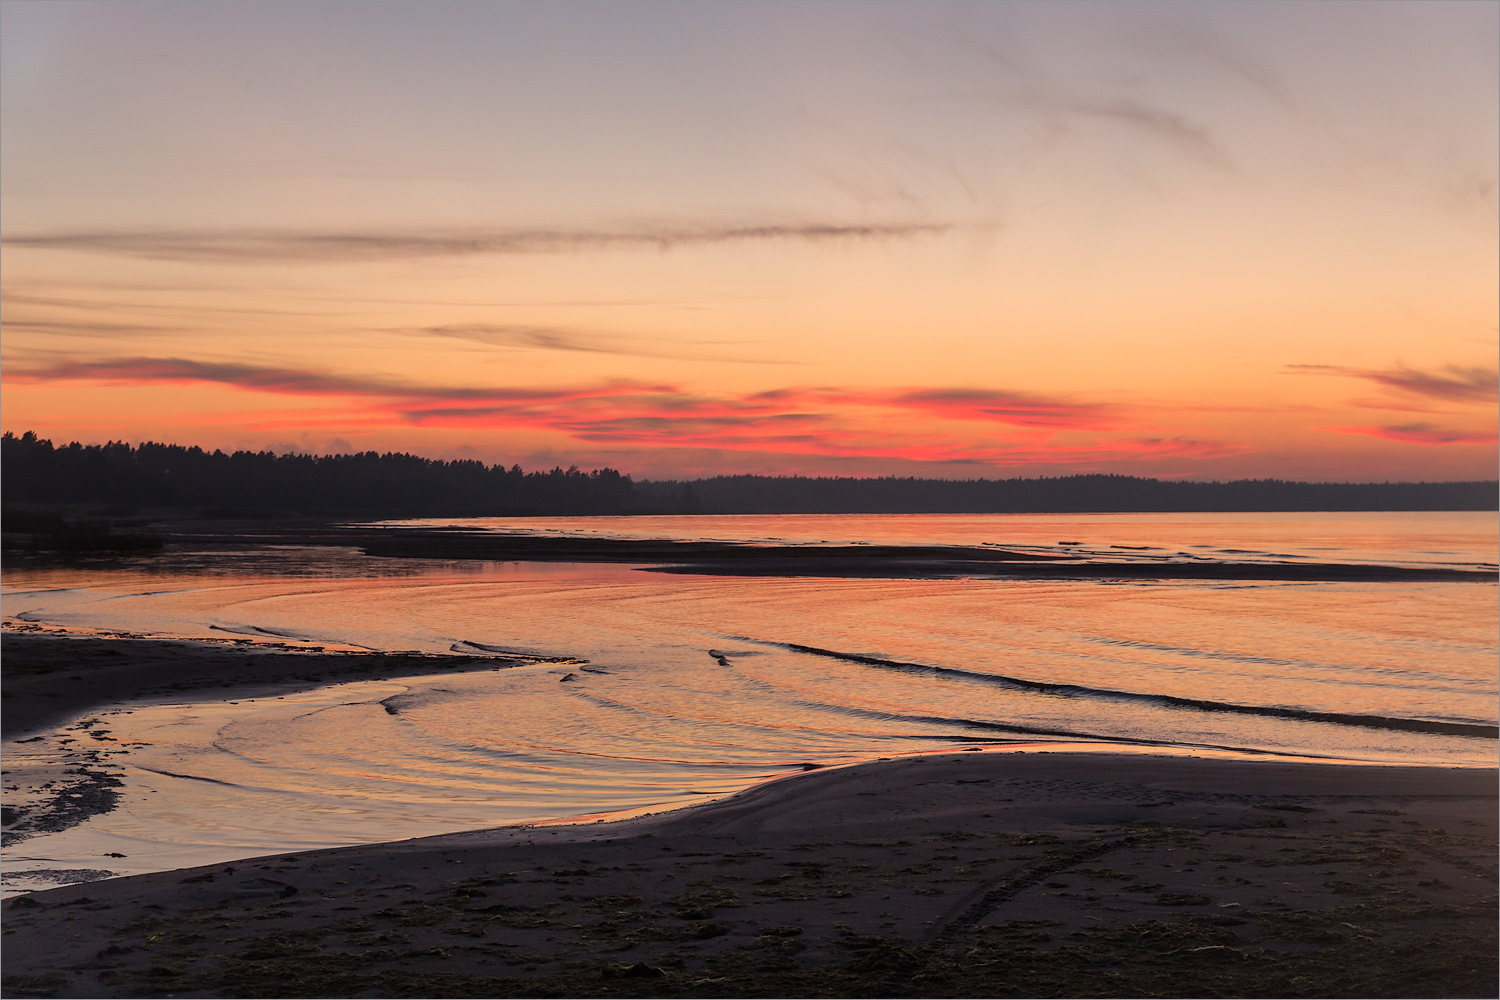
(120, 477)
(1061, 494)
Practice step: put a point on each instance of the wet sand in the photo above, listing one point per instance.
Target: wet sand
(956, 874)
(51, 675)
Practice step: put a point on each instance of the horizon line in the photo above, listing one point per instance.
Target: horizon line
(492, 466)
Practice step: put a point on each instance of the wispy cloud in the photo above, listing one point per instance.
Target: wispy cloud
(86, 328)
(1006, 407)
(251, 246)
(554, 339)
(1421, 432)
(1175, 129)
(134, 305)
(1454, 383)
(990, 406)
(286, 381)
(67, 317)
(1004, 76)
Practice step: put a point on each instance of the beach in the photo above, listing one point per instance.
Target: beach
(1020, 872)
(955, 874)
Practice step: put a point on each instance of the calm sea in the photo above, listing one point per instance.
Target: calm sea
(693, 686)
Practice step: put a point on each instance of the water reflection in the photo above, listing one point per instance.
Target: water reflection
(678, 687)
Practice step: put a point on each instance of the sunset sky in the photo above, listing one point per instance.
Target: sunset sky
(1187, 240)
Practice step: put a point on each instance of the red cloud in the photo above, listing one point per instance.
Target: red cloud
(923, 424)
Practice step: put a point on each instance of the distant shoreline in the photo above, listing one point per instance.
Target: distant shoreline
(723, 558)
(128, 479)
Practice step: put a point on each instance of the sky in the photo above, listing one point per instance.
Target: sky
(1184, 240)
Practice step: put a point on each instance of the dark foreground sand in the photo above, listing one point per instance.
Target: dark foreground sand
(958, 874)
(961, 874)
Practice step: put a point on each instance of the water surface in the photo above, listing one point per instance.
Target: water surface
(686, 686)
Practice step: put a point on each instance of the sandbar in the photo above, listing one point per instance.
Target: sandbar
(832, 560)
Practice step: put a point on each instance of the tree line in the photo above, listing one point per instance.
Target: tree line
(122, 477)
(1060, 494)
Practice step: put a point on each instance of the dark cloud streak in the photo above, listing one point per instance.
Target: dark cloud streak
(67, 328)
(289, 381)
(1456, 383)
(249, 246)
(132, 305)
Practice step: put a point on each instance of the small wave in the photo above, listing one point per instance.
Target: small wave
(466, 645)
(396, 702)
(1004, 732)
(258, 630)
(1199, 704)
(1014, 729)
(1269, 661)
(144, 593)
(1339, 673)
(189, 777)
